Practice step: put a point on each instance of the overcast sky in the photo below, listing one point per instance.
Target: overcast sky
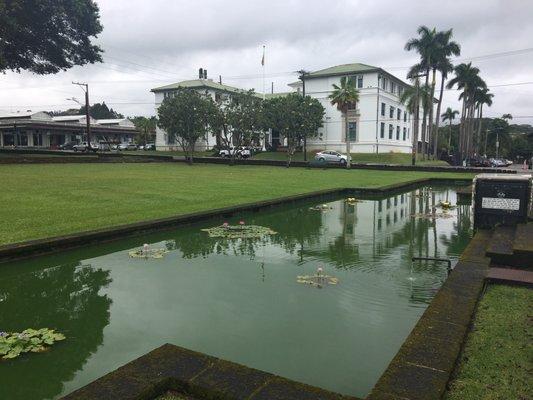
(153, 43)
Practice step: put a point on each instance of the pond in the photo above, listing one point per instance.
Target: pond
(240, 299)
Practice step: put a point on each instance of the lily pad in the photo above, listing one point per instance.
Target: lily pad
(13, 344)
(239, 231)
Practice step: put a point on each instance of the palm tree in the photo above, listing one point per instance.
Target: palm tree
(425, 45)
(345, 97)
(507, 116)
(449, 115)
(466, 78)
(481, 97)
(446, 48)
(411, 97)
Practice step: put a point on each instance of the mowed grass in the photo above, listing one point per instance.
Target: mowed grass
(39, 201)
(498, 357)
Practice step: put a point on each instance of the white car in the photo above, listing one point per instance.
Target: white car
(127, 146)
(83, 146)
(330, 156)
(240, 152)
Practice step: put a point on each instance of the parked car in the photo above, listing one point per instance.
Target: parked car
(240, 152)
(126, 146)
(67, 146)
(333, 157)
(149, 146)
(83, 146)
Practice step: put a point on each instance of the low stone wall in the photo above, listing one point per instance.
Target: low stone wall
(423, 366)
(197, 375)
(382, 167)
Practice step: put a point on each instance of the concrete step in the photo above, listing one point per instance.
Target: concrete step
(501, 242)
(523, 245)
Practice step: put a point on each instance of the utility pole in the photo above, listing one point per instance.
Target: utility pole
(303, 73)
(85, 88)
(497, 144)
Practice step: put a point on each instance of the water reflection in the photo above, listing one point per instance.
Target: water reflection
(65, 298)
(244, 291)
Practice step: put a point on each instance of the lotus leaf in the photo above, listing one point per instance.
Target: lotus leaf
(317, 280)
(239, 231)
(149, 253)
(30, 340)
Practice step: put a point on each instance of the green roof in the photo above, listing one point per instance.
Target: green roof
(199, 84)
(344, 69)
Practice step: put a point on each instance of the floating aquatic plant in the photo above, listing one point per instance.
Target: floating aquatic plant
(446, 205)
(317, 280)
(29, 340)
(320, 207)
(353, 200)
(147, 252)
(240, 231)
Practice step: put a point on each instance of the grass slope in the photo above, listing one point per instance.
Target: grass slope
(44, 200)
(498, 357)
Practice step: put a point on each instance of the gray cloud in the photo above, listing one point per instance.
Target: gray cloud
(149, 44)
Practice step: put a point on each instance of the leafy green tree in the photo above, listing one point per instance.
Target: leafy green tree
(185, 118)
(47, 36)
(238, 121)
(294, 117)
(146, 128)
(101, 111)
(345, 97)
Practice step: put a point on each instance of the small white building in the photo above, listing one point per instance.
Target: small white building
(380, 123)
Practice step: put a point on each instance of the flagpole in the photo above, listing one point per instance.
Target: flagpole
(263, 63)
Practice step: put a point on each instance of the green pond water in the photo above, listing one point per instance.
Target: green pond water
(239, 299)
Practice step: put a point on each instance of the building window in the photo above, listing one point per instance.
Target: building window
(360, 81)
(37, 139)
(404, 133)
(400, 91)
(382, 132)
(405, 116)
(399, 114)
(391, 130)
(392, 87)
(384, 83)
(352, 131)
(383, 106)
(397, 133)
(391, 112)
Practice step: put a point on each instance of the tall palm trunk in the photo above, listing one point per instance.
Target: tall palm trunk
(480, 122)
(450, 136)
(424, 120)
(432, 134)
(437, 120)
(460, 141)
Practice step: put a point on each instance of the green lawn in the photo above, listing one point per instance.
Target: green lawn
(46, 200)
(498, 357)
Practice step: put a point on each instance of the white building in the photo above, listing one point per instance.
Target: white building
(380, 123)
(218, 92)
(40, 130)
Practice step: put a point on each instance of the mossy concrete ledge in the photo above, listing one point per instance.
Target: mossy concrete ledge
(197, 375)
(422, 367)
